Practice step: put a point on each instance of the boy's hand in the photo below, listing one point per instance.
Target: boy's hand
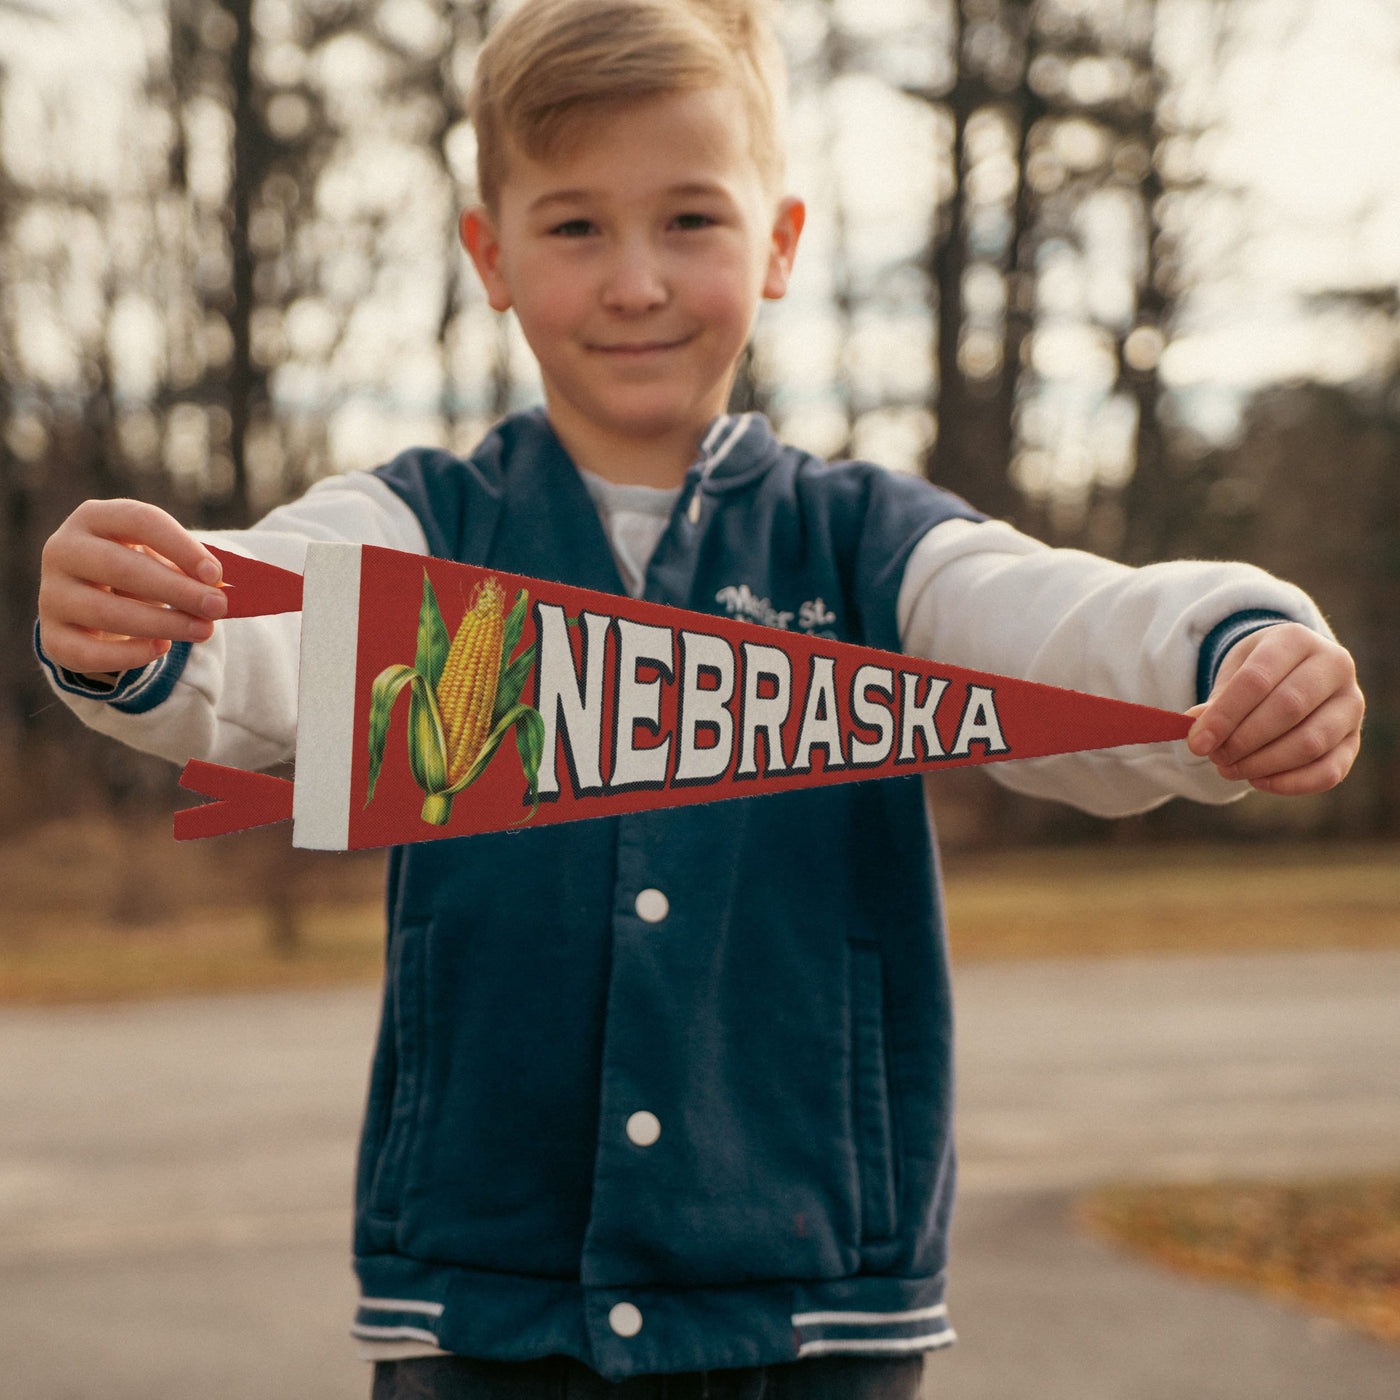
(120, 581)
(1285, 713)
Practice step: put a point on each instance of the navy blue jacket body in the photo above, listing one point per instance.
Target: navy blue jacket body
(783, 1014)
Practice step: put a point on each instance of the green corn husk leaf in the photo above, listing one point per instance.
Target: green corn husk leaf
(433, 641)
(427, 748)
(502, 727)
(514, 625)
(529, 743)
(511, 683)
(383, 693)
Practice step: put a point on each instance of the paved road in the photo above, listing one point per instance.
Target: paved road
(1074, 1072)
(1157, 1069)
(174, 1179)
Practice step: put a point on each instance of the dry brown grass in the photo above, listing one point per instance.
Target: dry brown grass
(92, 911)
(1332, 1247)
(1186, 899)
(213, 950)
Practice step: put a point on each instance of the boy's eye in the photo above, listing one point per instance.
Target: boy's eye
(573, 228)
(693, 221)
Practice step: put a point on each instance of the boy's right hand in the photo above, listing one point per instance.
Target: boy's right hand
(120, 581)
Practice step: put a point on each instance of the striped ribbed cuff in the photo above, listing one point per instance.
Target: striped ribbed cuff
(133, 692)
(1222, 637)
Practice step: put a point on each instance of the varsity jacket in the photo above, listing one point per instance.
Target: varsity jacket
(673, 1091)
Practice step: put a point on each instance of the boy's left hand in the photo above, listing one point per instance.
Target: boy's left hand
(1285, 713)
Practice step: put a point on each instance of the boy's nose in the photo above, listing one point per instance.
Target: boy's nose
(635, 281)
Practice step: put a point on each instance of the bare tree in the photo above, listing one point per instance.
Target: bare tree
(976, 279)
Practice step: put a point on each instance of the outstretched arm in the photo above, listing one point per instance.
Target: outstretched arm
(986, 596)
(122, 593)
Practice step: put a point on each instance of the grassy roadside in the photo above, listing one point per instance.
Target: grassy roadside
(1173, 899)
(1332, 1247)
(199, 950)
(94, 913)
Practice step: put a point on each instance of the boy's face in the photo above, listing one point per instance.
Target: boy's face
(635, 260)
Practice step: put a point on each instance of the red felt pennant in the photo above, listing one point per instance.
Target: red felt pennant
(244, 800)
(576, 704)
(615, 705)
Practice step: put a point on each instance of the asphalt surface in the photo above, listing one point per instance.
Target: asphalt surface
(1187, 1069)
(175, 1178)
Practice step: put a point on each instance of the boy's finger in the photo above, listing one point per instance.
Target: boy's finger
(136, 574)
(1250, 673)
(1328, 728)
(92, 654)
(99, 611)
(139, 523)
(1290, 703)
(1318, 776)
(1226, 710)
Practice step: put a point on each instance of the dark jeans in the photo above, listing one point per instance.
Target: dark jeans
(560, 1378)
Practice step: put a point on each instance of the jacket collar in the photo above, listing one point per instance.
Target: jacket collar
(736, 448)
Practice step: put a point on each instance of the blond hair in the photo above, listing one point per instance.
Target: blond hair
(552, 59)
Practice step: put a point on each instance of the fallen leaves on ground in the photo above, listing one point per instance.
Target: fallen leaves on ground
(1331, 1246)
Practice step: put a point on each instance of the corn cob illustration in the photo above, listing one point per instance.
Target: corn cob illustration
(467, 690)
(464, 697)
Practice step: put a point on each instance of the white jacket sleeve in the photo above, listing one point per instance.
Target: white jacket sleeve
(985, 596)
(234, 701)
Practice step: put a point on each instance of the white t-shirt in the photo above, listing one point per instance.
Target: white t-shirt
(634, 519)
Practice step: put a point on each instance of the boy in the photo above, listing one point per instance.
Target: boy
(668, 1095)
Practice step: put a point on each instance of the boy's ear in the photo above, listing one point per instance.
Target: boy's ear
(479, 238)
(787, 229)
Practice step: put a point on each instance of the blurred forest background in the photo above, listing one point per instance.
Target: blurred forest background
(1122, 271)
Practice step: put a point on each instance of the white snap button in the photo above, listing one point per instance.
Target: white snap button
(644, 1128)
(652, 906)
(625, 1319)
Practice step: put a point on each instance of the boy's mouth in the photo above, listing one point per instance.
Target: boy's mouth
(639, 348)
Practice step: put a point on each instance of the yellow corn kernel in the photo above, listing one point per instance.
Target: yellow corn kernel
(466, 692)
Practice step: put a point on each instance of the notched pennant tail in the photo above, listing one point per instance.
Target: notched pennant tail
(242, 800)
(256, 589)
